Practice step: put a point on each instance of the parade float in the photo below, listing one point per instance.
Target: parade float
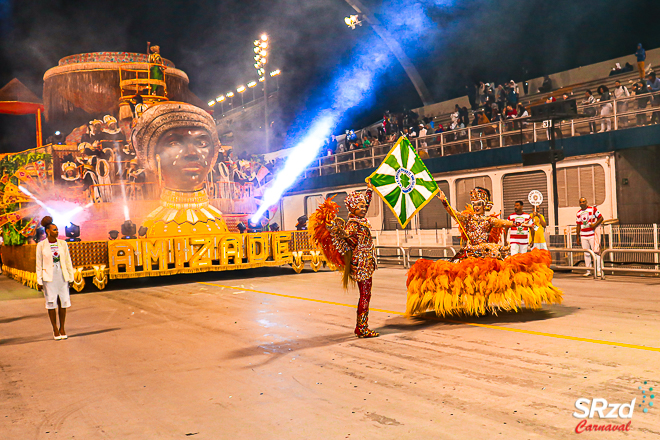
(139, 182)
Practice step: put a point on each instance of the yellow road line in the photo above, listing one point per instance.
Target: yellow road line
(474, 324)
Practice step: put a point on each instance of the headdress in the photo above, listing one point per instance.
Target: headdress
(95, 122)
(482, 195)
(159, 118)
(108, 119)
(354, 198)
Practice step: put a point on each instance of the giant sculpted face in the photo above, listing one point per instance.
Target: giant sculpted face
(185, 157)
(178, 140)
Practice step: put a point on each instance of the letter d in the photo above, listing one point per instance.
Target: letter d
(627, 406)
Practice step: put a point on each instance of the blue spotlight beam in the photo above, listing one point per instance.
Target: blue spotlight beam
(346, 92)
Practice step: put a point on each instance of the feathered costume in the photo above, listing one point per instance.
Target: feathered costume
(348, 245)
(481, 278)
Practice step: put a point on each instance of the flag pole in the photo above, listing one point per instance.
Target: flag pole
(455, 217)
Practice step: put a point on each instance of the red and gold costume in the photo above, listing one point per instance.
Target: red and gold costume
(348, 245)
(481, 277)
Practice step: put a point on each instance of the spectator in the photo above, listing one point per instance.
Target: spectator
(481, 93)
(333, 144)
(366, 143)
(550, 99)
(512, 94)
(641, 57)
(620, 92)
(547, 85)
(653, 85)
(464, 116)
(440, 129)
(521, 111)
(497, 116)
(640, 89)
(605, 108)
(510, 112)
(501, 98)
(590, 111)
(422, 130)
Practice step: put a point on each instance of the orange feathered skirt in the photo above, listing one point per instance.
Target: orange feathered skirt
(475, 286)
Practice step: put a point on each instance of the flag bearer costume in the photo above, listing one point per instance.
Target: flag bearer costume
(349, 246)
(482, 277)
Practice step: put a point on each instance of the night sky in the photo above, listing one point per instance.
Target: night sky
(211, 40)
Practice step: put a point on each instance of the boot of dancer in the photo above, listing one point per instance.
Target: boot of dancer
(362, 326)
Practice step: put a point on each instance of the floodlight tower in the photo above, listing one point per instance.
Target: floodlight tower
(261, 58)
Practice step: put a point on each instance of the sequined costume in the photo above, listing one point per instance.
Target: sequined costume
(481, 277)
(348, 245)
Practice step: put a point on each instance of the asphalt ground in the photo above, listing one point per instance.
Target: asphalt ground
(270, 354)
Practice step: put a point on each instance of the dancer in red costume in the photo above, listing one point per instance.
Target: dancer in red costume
(348, 245)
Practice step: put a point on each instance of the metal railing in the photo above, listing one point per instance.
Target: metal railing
(397, 258)
(429, 250)
(571, 267)
(629, 112)
(613, 270)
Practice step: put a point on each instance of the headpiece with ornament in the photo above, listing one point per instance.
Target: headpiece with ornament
(480, 194)
(109, 119)
(354, 198)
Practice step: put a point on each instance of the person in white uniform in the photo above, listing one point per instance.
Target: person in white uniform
(588, 220)
(54, 273)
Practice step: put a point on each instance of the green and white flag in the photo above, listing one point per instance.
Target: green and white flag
(403, 181)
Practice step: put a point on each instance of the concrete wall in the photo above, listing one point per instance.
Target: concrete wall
(442, 108)
(592, 71)
(638, 200)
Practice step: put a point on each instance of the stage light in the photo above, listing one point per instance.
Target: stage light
(257, 42)
(257, 57)
(275, 72)
(274, 227)
(220, 98)
(252, 84)
(72, 233)
(113, 234)
(241, 227)
(57, 133)
(263, 53)
(230, 94)
(142, 232)
(263, 45)
(264, 61)
(128, 230)
(211, 103)
(256, 65)
(352, 21)
(256, 49)
(264, 37)
(262, 79)
(241, 89)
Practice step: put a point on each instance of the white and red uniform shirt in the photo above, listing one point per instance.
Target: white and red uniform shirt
(585, 217)
(520, 230)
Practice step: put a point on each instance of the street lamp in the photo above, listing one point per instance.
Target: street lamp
(240, 90)
(221, 99)
(231, 96)
(276, 73)
(260, 49)
(211, 103)
(252, 85)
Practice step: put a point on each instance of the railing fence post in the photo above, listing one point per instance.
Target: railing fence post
(616, 123)
(655, 244)
(353, 160)
(499, 129)
(469, 130)
(442, 144)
